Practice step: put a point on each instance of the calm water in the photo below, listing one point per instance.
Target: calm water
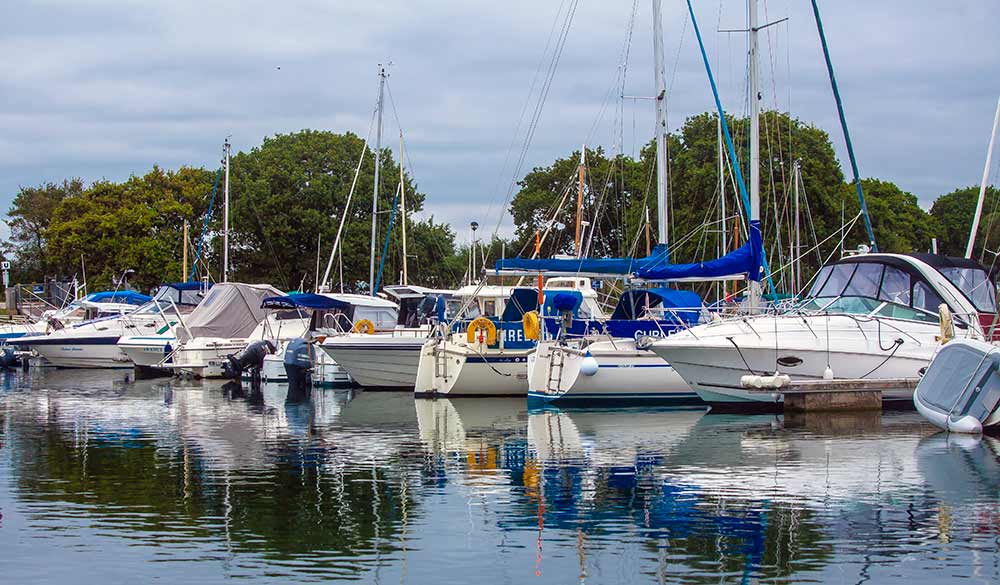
(103, 480)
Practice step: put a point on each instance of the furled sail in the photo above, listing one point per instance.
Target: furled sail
(745, 260)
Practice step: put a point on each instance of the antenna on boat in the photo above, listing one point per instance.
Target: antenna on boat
(378, 163)
(982, 186)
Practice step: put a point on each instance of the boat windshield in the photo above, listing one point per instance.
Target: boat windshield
(868, 288)
(975, 284)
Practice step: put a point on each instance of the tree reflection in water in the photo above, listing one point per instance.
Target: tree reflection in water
(378, 486)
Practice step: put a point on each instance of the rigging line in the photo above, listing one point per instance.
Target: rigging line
(204, 225)
(539, 108)
(350, 197)
(388, 233)
(524, 107)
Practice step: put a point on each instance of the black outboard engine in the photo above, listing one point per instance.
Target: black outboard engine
(251, 358)
(9, 359)
(298, 366)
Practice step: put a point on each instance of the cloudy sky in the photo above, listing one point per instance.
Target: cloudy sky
(107, 88)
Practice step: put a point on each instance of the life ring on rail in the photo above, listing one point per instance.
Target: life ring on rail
(482, 324)
(364, 326)
(532, 328)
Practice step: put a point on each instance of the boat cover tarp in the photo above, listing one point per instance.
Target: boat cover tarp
(230, 310)
(305, 301)
(746, 259)
(633, 303)
(129, 297)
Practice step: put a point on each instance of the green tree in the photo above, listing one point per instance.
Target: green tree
(953, 213)
(292, 189)
(135, 225)
(899, 223)
(29, 217)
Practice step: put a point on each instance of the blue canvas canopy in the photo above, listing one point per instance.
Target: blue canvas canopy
(521, 301)
(744, 260)
(633, 303)
(303, 300)
(129, 297)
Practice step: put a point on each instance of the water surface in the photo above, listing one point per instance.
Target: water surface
(108, 480)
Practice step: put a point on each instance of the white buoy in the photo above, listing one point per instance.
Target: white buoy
(828, 373)
(589, 365)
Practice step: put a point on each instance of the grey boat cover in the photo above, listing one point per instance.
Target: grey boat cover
(229, 310)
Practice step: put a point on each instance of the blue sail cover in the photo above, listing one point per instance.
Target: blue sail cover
(303, 300)
(744, 260)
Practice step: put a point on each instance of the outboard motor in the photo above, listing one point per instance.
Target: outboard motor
(9, 359)
(251, 358)
(298, 366)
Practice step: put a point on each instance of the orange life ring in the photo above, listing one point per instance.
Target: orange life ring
(364, 326)
(482, 324)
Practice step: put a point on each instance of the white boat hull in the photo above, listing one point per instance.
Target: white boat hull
(624, 373)
(455, 369)
(70, 354)
(205, 358)
(147, 352)
(712, 358)
(374, 361)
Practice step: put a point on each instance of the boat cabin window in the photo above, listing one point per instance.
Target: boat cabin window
(925, 298)
(490, 308)
(976, 285)
(864, 288)
(895, 286)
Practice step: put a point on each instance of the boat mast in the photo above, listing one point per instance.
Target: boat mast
(755, 288)
(797, 248)
(579, 200)
(184, 274)
(226, 147)
(378, 163)
(402, 204)
(722, 199)
(982, 186)
(661, 126)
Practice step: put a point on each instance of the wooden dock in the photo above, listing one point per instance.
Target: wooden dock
(835, 395)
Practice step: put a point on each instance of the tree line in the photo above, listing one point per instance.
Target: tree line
(288, 194)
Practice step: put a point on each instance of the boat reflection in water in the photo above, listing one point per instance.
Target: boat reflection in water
(104, 475)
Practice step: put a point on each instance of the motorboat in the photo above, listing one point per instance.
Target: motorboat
(223, 324)
(488, 354)
(873, 316)
(388, 359)
(94, 343)
(611, 362)
(960, 392)
(93, 306)
(147, 351)
(327, 315)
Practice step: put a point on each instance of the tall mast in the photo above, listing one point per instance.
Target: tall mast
(797, 250)
(225, 215)
(661, 126)
(402, 204)
(579, 200)
(184, 274)
(982, 186)
(722, 188)
(378, 163)
(755, 288)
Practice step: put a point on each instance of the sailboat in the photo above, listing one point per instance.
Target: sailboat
(611, 361)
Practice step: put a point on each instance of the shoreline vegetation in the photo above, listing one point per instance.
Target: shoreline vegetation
(287, 195)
